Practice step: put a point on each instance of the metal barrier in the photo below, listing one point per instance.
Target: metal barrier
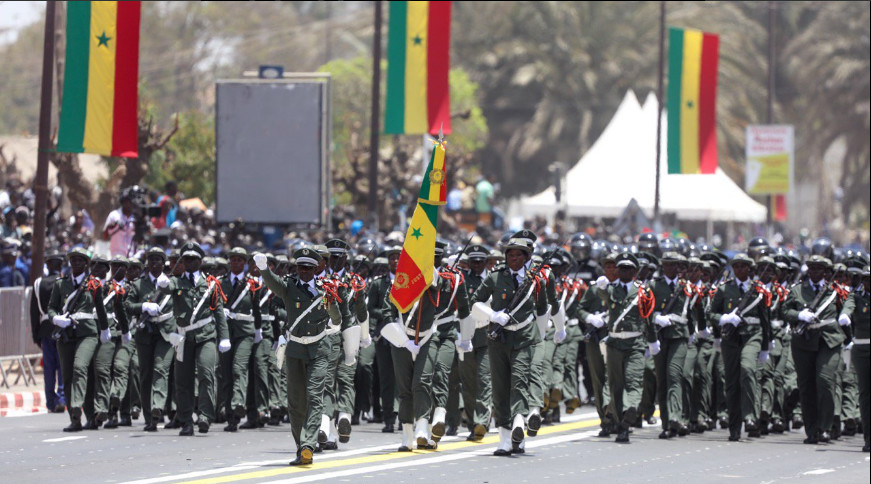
(16, 339)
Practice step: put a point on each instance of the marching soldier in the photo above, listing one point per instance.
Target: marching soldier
(771, 373)
(566, 378)
(156, 321)
(41, 329)
(740, 309)
(629, 305)
(76, 309)
(274, 316)
(380, 314)
(856, 313)
(118, 366)
(309, 304)
(131, 404)
(198, 306)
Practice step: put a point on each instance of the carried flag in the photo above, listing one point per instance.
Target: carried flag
(101, 75)
(414, 273)
(418, 45)
(692, 99)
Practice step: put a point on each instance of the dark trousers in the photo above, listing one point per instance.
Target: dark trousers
(384, 357)
(51, 369)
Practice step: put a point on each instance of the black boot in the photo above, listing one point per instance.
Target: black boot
(187, 430)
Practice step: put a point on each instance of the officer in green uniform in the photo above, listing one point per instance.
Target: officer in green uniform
(131, 404)
(703, 414)
(380, 314)
(198, 306)
(851, 416)
(119, 365)
(76, 310)
(629, 304)
(156, 321)
(673, 320)
(566, 378)
(306, 357)
(812, 309)
(592, 312)
(512, 346)
(274, 316)
(857, 313)
(257, 393)
(242, 312)
(475, 364)
(740, 309)
(366, 397)
(648, 265)
(771, 373)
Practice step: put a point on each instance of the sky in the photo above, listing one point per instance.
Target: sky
(14, 15)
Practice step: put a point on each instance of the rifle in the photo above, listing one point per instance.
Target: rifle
(496, 332)
(592, 330)
(453, 268)
(669, 305)
(145, 322)
(61, 334)
(802, 327)
(752, 292)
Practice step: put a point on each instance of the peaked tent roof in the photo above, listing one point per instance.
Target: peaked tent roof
(620, 166)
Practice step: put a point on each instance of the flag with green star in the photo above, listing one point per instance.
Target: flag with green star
(415, 273)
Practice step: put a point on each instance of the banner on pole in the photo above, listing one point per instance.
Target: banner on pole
(770, 153)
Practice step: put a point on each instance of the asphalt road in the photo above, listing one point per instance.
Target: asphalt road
(33, 449)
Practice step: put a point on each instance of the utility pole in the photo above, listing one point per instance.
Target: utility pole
(375, 119)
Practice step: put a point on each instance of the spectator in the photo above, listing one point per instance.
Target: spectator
(10, 276)
(8, 227)
(119, 228)
(168, 204)
(484, 200)
(455, 198)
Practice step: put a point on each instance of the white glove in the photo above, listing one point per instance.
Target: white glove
(849, 347)
(105, 336)
(730, 318)
(226, 313)
(596, 320)
(150, 308)
(162, 281)
(662, 320)
(654, 348)
(413, 348)
(844, 320)
(465, 346)
(806, 315)
(366, 341)
(258, 335)
(559, 336)
(763, 356)
(501, 318)
(61, 322)
(126, 337)
(772, 345)
(224, 346)
(260, 261)
(602, 282)
(704, 333)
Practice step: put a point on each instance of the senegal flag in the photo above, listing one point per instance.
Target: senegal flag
(101, 72)
(418, 41)
(414, 273)
(692, 99)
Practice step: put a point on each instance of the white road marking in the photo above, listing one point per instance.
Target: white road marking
(817, 472)
(64, 439)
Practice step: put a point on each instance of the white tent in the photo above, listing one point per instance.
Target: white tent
(621, 166)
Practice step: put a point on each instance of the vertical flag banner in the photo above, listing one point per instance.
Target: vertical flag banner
(101, 75)
(418, 44)
(692, 96)
(414, 273)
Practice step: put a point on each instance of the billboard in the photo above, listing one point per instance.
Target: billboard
(770, 154)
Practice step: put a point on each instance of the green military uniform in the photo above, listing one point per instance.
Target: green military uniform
(590, 310)
(380, 314)
(812, 309)
(112, 364)
(131, 403)
(857, 309)
(198, 306)
(152, 341)
(79, 318)
(741, 346)
(565, 376)
(773, 372)
(273, 312)
(306, 357)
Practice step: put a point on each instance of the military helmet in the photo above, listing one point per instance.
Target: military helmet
(647, 242)
(823, 246)
(684, 246)
(758, 247)
(667, 244)
(581, 246)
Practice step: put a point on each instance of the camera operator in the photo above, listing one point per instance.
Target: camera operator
(120, 226)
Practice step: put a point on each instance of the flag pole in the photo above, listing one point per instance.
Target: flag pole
(769, 112)
(40, 182)
(656, 224)
(375, 121)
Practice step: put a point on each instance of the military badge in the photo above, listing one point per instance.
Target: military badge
(401, 281)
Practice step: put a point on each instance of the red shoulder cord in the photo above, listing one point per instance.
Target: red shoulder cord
(766, 294)
(331, 287)
(842, 292)
(217, 293)
(253, 286)
(646, 301)
(93, 285)
(356, 282)
(781, 291)
(687, 287)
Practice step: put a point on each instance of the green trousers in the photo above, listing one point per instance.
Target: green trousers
(601, 390)
(557, 365)
(277, 382)
(196, 373)
(306, 382)
(477, 390)
(849, 393)
(718, 390)
(669, 365)
(235, 365)
(453, 418)
(861, 356)
(816, 374)
(413, 379)
(701, 408)
(446, 350)
(542, 357)
(647, 407)
(771, 394)
(334, 342)
(257, 390)
(155, 359)
(688, 404)
(132, 400)
(76, 356)
(626, 378)
(364, 377)
(792, 400)
(569, 384)
(121, 373)
(510, 371)
(345, 390)
(105, 374)
(740, 357)
(386, 380)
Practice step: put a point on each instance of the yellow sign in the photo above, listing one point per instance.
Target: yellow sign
(770, 154)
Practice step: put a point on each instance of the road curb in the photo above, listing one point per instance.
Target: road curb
(21, 403)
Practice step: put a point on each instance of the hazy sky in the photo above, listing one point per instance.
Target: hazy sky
(14, 15)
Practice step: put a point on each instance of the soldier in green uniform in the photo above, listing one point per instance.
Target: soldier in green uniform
(648, 266)
(257, 392)
(771, 373)
(310, 307)
(740, 309)
(593, 313)
(857, 314)
(475, 365)
(512, 347)
(673, 319)
(629, 305)
(697, 378)
(131, 404)
(76, 309)
(119, 365)
(156, 322)
(274, 316)
(364, 377)
(198, 306)
(566, 376)
(812, 309)
(380, 314)
(242, 312)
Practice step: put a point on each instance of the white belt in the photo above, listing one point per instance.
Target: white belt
(267, 317)
(674, 318)
(110, 315)
(445, 320)
(306, 340)
(240, 316)
(822, 323)
(331, 329)
(199, 324)
(573, 322)
(422, 337)
(519, 326)
(752, 320)
(625, 334)
(776, 323)
(161, 318)
(862, 341)
(78, 316)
